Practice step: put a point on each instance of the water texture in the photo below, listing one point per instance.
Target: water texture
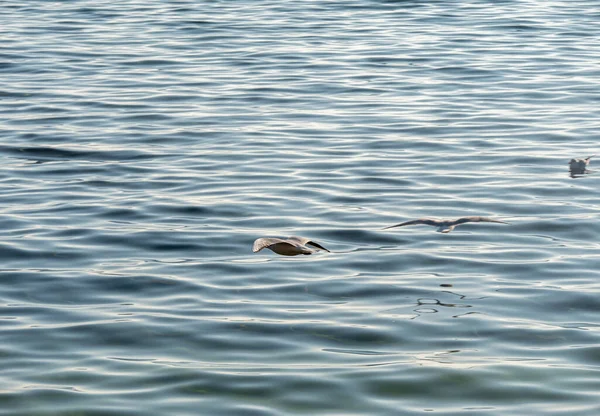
(146, 144)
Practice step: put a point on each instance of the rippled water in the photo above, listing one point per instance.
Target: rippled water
(145, 145)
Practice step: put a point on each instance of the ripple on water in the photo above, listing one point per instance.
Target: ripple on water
(145, 149)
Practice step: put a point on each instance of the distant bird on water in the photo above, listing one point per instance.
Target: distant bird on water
(292, 246)
(579, 166)
(445, 226)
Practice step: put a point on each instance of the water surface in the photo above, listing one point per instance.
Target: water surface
(145, 145)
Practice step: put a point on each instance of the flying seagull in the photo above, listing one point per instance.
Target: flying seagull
(445, 226)
(579, 166)
(292, 246)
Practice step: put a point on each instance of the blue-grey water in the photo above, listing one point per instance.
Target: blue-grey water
(146, 144)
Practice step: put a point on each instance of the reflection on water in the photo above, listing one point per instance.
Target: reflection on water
(426, 305)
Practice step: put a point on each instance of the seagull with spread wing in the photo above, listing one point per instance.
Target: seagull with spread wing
(579, 166)
(445, 226)
(292, 246)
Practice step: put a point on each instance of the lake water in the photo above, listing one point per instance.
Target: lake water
(146, 144)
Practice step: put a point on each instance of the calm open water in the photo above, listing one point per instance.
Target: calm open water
(146, 144)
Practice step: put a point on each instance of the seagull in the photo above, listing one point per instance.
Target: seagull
(292, 246)
(578, 166)
(445, 226)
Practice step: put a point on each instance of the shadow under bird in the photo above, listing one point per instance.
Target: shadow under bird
(445, 226)
(579, 166)
(292, 246)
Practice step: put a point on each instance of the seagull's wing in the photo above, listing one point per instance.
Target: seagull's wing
(426, 221)
(303, 241)
(297, 240)
(317, 245)
(587, 159)
(265, 242)
(477, 219)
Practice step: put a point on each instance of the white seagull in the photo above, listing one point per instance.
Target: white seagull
(292, 246)
(445, 226)
(579, 166)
